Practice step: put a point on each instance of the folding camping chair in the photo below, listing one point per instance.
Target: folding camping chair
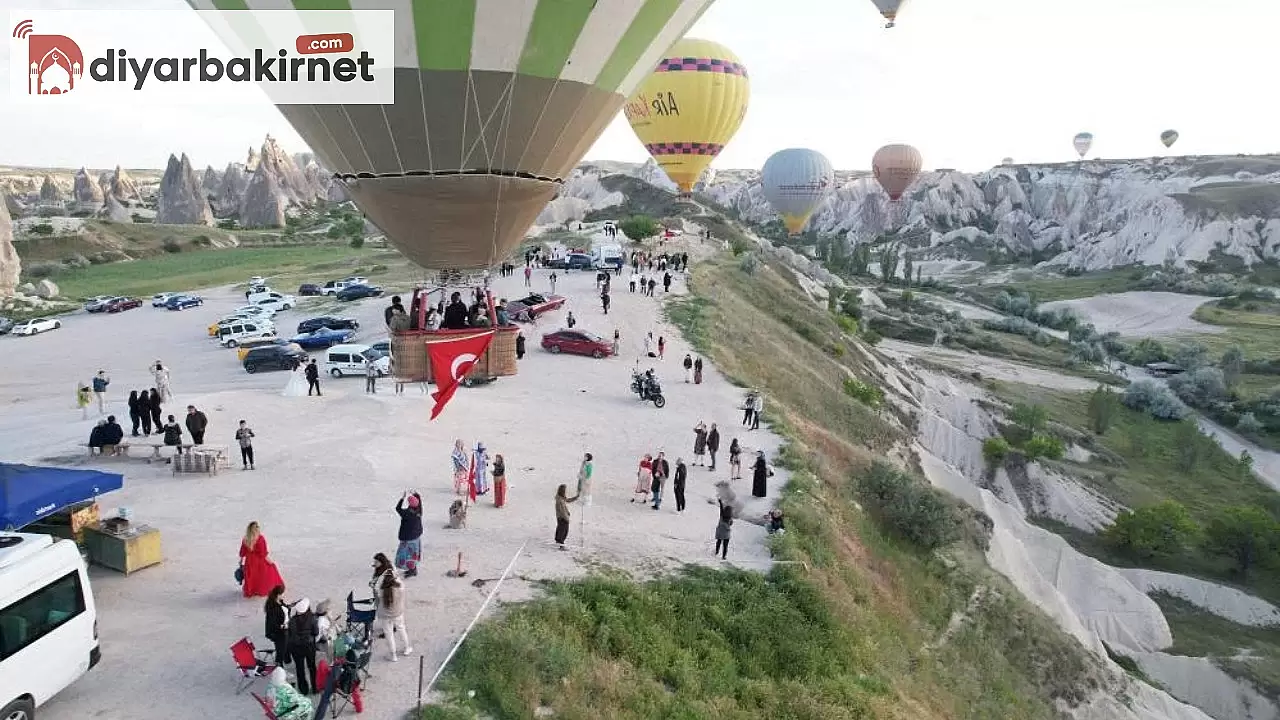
(266, 706)
(251, 663)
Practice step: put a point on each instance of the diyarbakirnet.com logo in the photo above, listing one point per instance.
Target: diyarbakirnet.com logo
(204, 56)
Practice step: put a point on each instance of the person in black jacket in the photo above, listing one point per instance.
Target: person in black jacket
(409, 553)
(520, 346)
(196, 424)
(154, 396)
(455, 315)
(133, 412)
(313, 378)
(112, 434)
(144, 411)
(277, 630)
(387, 313)
(677, 483)
(303, 629)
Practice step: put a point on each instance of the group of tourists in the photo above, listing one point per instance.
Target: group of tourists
(472, 469)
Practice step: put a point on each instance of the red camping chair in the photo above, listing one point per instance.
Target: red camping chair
(266, 706)
(251, 663)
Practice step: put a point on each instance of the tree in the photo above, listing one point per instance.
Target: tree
(639, 227)
(919, 274)
(1029, 419)
(1102, 408)
(860, 260)
(889, 262)
(1043, 446)
(1191, 356)
(1232, 364)
(1245, 534)
(907, 265)
(1187, 440)
(1163, 529)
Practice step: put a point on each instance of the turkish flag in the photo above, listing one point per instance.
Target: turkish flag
(451, 360)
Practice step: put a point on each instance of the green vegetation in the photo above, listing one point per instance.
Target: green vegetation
(190, 270)
(639, 227)
(1256, 332)
(864, 392)
(856, 625)
(1145, 463)
(1248, 653)
(913, 508)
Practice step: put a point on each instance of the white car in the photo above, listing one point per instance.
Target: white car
(276, 304)
(232, 335)
(254, 310)
(96, 301)
(333, 287)
(159, 299)
(256, 280)
(36, 326)
(356, 280)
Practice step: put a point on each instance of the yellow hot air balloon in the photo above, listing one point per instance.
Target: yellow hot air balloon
(689, 108)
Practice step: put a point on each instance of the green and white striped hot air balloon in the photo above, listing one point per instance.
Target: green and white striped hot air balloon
(495, 102)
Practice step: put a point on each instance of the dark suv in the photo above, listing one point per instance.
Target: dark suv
(332, 323)
(572, 261)
(273, 357)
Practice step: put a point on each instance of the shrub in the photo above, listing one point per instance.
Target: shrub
(357, 242)
(1163, 529)
(202, 241)
(1232, 364)
(639, 227)
(171, 245)
(1144, 351)
(76, 261)
(228, 224)
(1102, 406)
(1150, 397)
(863, 392)
(1200, 388)
(995, 450)
(42, 269)
(1248, 424)
(1245, 534)
(1043, 446)
(749, 263)
(847, 324)
(41, 229)
(871, 337)
(909, 506)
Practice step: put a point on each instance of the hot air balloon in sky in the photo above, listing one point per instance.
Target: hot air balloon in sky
(689, 107)
(495, 102)
(889, 9)
(1007, 161)
(1169, 137)
(896, 167)
(795, 181)
(1082, 142)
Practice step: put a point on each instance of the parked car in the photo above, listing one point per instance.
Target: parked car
(36, 326)
(256, 280)
(248, 345)
(159, 299)
(182, 302)
(254, 310)
(273, 357)
(5, 325)
(356, 280)
(333, 287)
(309, 289)
(531, 306)
(342, 360)
(276, 304)
(572, 261)
(285, 301)
(356, 292)
(121, 304)
(382, 346)
(98, 304)
(577, 342)
(323, 338)
(232, 335)
(215, 330)
(333, 323)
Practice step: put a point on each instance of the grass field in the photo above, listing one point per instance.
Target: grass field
(287, 266)
(849, 634)
(1249, 653)
(1146, 471)
(1055, 356)
(1257, 333)
(1060, 288)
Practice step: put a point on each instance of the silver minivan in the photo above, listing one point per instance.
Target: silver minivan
(349, 359)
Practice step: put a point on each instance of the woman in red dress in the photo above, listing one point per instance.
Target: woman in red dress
(260, 574)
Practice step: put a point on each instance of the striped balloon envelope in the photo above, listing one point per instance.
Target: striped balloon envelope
(690, 107)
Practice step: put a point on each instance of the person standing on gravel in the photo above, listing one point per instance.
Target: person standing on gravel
(313, 378)
(156, 408)
(678, 481)
(661, 471)
(161, 375)
(196, 423)
(713, 444)
(562, 514)
(100, 383)
(699, 443)
(370, 376)
(244, 436)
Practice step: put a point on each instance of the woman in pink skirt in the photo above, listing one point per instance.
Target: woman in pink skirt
(644, 479)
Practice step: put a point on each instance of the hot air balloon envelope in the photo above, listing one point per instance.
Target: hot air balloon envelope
(689, 107)
(495, 102)
(1169, 137)
(1007, 161)
(1082, 143)
(795, 181)
(896, 167)
(889, 9)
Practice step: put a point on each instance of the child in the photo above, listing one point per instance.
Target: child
(83, 398)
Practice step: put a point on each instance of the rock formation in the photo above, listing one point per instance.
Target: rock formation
(15, 206)
(87, 192)
(210, 182)
(47, 289)
(49, 192)
(264, 200)
(114, 211)
(230, 191)
(336, 191)
(292, 182)
(181, 199)
(122, 187)
(317, 179)
(10, 265)
(251, 160)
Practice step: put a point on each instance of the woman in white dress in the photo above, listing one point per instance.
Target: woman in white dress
(297, 386)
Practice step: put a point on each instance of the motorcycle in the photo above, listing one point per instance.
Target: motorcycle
(647, 387)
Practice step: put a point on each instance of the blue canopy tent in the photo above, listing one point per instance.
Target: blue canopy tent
(29, 493)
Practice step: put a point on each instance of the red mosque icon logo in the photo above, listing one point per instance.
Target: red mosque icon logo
(55, 62)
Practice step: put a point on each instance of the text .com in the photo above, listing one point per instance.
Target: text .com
(117, 66)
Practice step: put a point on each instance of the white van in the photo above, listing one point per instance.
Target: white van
(607, 256)
(342, 360)
(233, 334)
(272, 299)
(48, 621)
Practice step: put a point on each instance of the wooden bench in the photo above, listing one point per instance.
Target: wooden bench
(122, 451)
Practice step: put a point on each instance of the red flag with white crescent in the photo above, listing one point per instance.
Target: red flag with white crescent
(451, 360)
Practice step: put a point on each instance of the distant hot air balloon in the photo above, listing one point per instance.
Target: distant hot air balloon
(689, 107)
(795, 181)
(896, 167)
(889, 9)
(496, 101)
(1083, 141)
(1007, 161)
(1169, 137)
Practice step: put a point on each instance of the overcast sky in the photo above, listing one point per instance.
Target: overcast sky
(966, 81)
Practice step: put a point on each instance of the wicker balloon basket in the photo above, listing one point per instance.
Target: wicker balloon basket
(413, 364)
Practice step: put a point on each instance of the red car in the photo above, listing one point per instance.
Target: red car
(577, 342)
(122, 304)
